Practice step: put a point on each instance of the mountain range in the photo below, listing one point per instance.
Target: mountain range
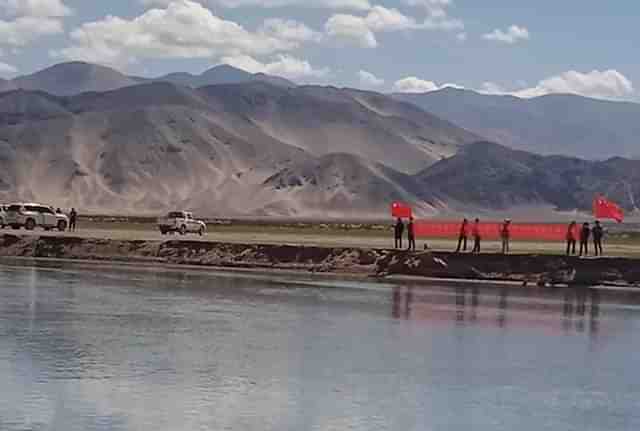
(553, 124)
(68, 79)
(229, 143)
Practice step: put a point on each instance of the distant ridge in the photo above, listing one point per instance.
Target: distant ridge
(554, 124)
(68, 79)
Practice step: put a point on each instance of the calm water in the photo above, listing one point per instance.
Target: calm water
(120, 349)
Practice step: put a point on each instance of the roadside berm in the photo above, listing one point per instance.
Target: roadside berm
(541, 270)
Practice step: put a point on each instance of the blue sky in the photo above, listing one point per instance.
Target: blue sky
(496, 46)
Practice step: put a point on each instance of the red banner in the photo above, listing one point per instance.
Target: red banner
(491, 230)
(401, 210)
(605, 209)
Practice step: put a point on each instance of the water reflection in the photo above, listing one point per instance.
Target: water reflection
(575, 309)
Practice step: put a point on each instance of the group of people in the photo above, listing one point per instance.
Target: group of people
(583, 235)
(399, 233)
(465, 230)
(474, 231)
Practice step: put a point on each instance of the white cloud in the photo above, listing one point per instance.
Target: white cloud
(433, 7)
(461, 36)
(413, 84)
(7, 69)
(361, 29)
(608, 84)
(26, 29)
(35, 8)
(514, 34)
(318, 4)
(491, 87)
(382, 19)
(351, 29)
(184, 29)
(284, 65)
(290, 30)
(368, 79)
(437, 14)
(30, 20)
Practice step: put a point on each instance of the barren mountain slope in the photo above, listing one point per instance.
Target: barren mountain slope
(150, 147)
(325, 120)
(339, 185)
(137, 159)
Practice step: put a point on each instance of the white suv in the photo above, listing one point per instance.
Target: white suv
(3, 216)
(31, 216)
(181, 222)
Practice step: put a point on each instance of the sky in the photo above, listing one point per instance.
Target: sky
(525, 48)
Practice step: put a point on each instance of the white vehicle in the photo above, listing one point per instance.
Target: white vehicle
(3, 216)
(181, 222)
(30, 216)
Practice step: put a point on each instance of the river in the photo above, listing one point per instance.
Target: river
(85, 347)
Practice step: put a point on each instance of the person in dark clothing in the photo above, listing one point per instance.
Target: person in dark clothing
(73, 219)
(475, 232)
(463, 237)
(598, 233)
(505, 235)
(585, 233)
(411, 234)
(571, 239)
(399, 231)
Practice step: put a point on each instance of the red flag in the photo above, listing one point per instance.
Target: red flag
(401, 210)
(605, 209)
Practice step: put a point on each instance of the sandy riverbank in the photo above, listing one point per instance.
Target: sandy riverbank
(364, 261)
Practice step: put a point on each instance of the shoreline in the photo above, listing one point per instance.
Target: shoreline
(352, 263)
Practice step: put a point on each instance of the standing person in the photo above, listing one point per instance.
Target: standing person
(73, 219)
(464, 235)
(399, 231)
(475, 232)
(571, 239)
(411, 234)
(598, 233)
(585, 233)
(505, 235)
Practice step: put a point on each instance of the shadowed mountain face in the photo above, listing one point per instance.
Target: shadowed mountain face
(220, 150)
(553, 124)
(68, 79)
(491, 176)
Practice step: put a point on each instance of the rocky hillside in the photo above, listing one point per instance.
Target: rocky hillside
(221, 150)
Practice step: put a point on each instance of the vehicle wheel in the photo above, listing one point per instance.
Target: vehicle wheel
(30, 224)
(62, 226)
(183, 230)
(201, 231)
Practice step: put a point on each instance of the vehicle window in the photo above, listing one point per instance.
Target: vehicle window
(176, 215)
(31, 208)
(45, 210)
(14, 208)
